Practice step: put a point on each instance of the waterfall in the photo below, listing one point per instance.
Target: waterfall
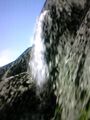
(38, 64)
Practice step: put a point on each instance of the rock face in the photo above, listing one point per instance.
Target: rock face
(18, 97)
(66, 96)
(67, 40)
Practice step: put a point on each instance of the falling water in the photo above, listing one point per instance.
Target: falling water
(38, 64)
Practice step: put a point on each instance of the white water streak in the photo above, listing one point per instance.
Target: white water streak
(39, 67)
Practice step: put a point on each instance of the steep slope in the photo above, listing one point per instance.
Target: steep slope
(67, 38)
(66, 95)
(18, 66)
(18, 93)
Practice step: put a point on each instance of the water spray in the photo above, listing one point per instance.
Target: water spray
(38, 65)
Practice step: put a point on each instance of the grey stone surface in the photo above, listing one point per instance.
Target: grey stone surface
(68, 56)
(18, 93)
(66, 31)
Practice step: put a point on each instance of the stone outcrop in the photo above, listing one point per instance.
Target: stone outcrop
(66, 96)
(67, 40)
(18, 93)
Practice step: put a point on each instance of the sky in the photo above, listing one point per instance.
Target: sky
(17, 27)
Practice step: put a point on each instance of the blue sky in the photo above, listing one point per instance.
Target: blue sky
(17, 22)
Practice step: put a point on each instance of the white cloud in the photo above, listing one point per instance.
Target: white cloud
(6, 56)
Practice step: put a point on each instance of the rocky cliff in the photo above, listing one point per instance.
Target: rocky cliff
(66, 95)
(18, 96)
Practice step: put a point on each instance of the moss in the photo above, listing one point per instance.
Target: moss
(85, 115)
(58, 111)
